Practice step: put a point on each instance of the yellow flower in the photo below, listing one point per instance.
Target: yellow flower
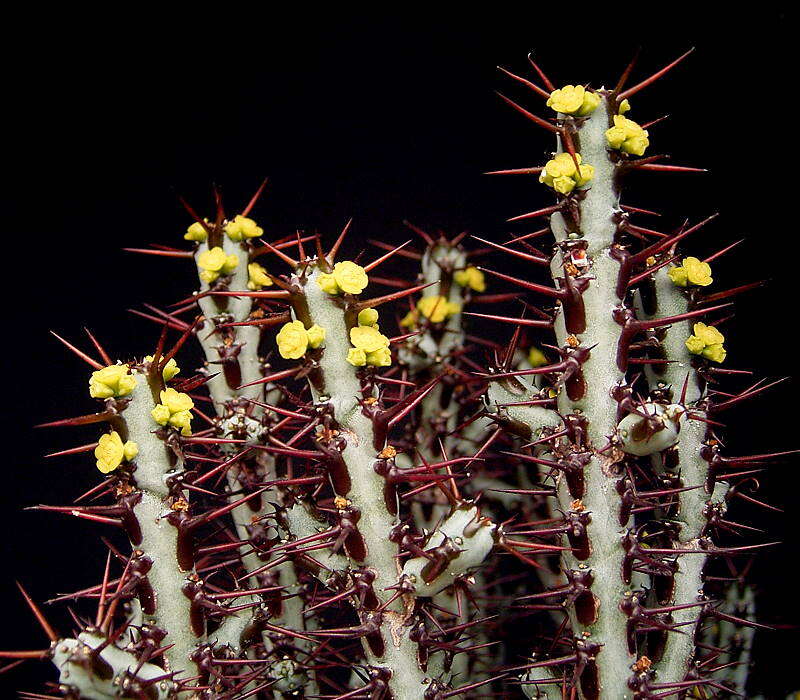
(316, 336)
(470, 277)
(170, 369)
(357, 357)
(327, 283)
(561, 174)
(563, 184)
(175, 410)
(699, 272)
(536, 357)
(257, 277)
(367, 317)
(215, 262)
(567, 100)
(196, 232)
(176, 401)
(368, 338)
(350, 278)
(381, 357)
(624, 107)
(292, 340)
(437, 308)
(706, 341)
(160, 414)
(113, 380)
(692, 271)
(626, 135)
(242, 227)
(110, 451)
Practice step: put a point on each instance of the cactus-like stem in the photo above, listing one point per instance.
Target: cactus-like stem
(680, 377)
(337, 390)
(162, 545)
(586, 399)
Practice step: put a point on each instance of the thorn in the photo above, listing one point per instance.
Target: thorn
(331, 256)
(48, 630)
(383, 258)
(654, 77)
(525, 82)
(517, 253)
(544, 78)
(255, 197)
(88, 360)
(536, 120)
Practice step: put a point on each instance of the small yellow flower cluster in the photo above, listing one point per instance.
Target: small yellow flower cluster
(175, 409)
(196, 232)
(371, 346)
(113, 380)
(346, 277)
(573, 99)
(561, 174)
(708, 342)
(257, 277)
(435, 308)
(293, 339)
(627, 136)
(692, 271)
(110, 451)
(215, 262)
(536, 357)
(470, 277)
(170, 369)
(242, 228)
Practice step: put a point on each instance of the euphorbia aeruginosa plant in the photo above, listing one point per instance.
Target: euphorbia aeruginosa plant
(386, 459)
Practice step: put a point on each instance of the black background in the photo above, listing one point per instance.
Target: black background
(380, 119)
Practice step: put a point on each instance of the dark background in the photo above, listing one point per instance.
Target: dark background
(381, 120)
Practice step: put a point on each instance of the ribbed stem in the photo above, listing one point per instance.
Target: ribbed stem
(596, 228)
(337, 389)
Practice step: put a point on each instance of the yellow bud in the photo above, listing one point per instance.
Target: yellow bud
(241, 227)
(208, 276)
(316, 336)
(624, 107)
(368, 338)
(129, 450)
(350, 278)
(109, 452)
(678, 276)
(170, 369)
(231, 261)
(161, 414)
(695, 345)
(183, 421)
(357, 357)
(470, 277)
(327, 283)
(292, 340)
(257, 277)
(196, 232)
(590, 102)
(435, 308)
(380, 358)
(367, 317)
(567, 100)
(536, 357)
(636, 145)
(563, 184)
(615, 136)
